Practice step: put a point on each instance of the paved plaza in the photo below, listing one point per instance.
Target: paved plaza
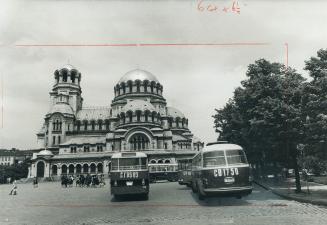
(169, 203)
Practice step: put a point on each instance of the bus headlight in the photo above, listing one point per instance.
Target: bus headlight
(115, 183)
(143, 182)
(250, 178)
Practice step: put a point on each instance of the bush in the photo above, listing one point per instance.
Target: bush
(314, 164)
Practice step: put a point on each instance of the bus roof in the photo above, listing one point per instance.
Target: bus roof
(221, 147)
(128, 155)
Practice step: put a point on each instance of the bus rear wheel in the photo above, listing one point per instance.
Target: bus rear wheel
(193, 188)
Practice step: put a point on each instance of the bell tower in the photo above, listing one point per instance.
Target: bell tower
(67, 87)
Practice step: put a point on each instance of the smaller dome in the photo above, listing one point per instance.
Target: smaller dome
(138, 105)
(68, 67)
(138, 75)
(173, 112)
(45, 152)
(61, 108)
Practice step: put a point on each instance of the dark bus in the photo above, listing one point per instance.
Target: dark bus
(129, 174)
(221, 170)
(185, 172)
(163, 171)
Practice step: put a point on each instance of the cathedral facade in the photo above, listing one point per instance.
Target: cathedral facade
(80, 140)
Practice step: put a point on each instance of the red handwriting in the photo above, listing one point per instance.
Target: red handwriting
(203, 6)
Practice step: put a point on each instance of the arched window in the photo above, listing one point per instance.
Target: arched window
(124, 88)
(145, 84)
(160, 161)
(146, 116)
(85, 168)
(63, 169)
(100, 124)
(78, 125)
(85, 124)
(93, 168)
(139, 141)
(78, 168)
(167, 161)
(53, 140)
(57, 76)
(93, 124)
(137, 86)
(107, 124)
(138, 116)
(71, 169)
(73, 76)
(64, 75)
(153, 161)
(59, 140)
(152, 85)
(130, 87)
(100, 168)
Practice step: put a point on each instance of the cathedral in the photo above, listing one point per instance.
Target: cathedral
(78, 140)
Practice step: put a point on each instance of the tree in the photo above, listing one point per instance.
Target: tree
(264, 115)
(314, 102)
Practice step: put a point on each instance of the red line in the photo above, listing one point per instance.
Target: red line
(146, 44)
(286, 45)
(75, 45)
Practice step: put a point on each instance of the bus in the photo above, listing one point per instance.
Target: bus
(163, 171)
(221, 169)
(129, 174)
(185, 171)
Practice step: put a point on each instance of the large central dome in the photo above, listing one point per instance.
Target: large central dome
(138, 75)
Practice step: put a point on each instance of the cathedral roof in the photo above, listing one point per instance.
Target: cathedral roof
(138, 105)
(177, 137)
(196, 139)
(80, 140)
(45, 153)
(93, 113)
(138, 75)
(173, 112)
(68, 67)
(61, 107)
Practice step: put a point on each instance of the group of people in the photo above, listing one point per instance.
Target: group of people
(83, 181)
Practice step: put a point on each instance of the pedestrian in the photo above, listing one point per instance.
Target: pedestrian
(35, 182)
(14, 188)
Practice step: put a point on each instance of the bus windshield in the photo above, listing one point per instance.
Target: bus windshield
(211, 159)
(129, 164)
(236, 157)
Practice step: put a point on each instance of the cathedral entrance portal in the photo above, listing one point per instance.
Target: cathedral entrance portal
(139, 141)
(40, 169)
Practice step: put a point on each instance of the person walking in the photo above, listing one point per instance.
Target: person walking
(14, 188)
(35, 182)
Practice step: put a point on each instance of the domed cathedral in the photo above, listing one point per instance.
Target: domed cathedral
(81, 140)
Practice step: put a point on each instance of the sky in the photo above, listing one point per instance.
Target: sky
(196, 78)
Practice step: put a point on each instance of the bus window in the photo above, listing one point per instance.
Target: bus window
(129, 163)
(211, 159)
(114, 164)
(235, 157)
(143, 163)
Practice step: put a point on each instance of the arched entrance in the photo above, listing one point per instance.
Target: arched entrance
(40, 169)
(93, 168)
(71, 169)
(78, 168)
(139, 141)
(54, 170)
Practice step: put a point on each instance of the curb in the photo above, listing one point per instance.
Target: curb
(288, 197)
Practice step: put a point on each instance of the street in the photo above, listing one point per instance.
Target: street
(169, 203)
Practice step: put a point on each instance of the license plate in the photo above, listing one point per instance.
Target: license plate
(129, 183)
(229, 180)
